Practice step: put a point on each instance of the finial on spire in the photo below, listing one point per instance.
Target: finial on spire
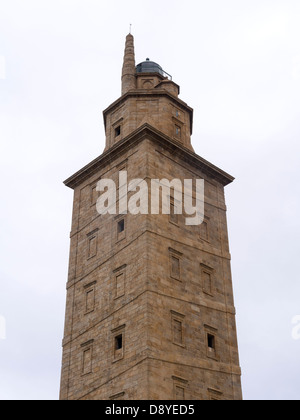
(128, 71)
(130, 26)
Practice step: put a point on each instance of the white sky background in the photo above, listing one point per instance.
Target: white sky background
(238, 65)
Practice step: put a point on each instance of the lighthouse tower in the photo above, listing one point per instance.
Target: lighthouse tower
(150, 311)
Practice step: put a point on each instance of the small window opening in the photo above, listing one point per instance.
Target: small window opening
(177, 332)
(117, 131)
(121, 226)
(175, 268)
(204, 231)
(119, 342)
(173, 214)
(177, 131)
(211, 341)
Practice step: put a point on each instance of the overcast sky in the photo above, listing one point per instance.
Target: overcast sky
(238, 65)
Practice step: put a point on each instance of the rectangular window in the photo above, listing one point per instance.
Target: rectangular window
(92, 248)
(120, 277)
(92, 244)
(177, 331)
(178, 131)
(90, 301)
(121, 229)
(173, 213)
(118, 343)
(207, 279)
(118, 131)
(177, 328)
(121, 226)
(175, 268)
(204, 229)
(89, 294)
(211, 342)
(87, 355)
(175, 264)
(118, 347)
(120, 285)
(87, 361)
(211, 346)
(206, 282)
(118, 350)
(117, 128)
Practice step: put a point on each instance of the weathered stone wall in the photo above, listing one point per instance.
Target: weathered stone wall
(123, 285)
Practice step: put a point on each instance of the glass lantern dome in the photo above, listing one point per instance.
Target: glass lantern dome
(151, 67)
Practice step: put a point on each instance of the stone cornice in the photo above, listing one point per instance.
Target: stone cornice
(151, 133)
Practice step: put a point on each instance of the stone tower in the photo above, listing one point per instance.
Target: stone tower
(150, 312)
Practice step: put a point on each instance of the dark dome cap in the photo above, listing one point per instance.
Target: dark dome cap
(149, 67)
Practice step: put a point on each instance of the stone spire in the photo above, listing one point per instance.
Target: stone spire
(128, 71)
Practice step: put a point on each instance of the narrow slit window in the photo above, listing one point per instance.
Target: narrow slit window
(173, 214)
(121, 226)
(119, 342)
(120, 229)
(177, 131)
(118, 131)
(204, 231)
(207, 286)
(211, 342)
(175, 264)
(92, 246)
(177, 327)
(87, 362)
(175, 268)
(90, 300)
(177, 332)
(207, 279)
(120, 285)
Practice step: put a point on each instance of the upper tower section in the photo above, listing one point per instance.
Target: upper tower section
(149, 95)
